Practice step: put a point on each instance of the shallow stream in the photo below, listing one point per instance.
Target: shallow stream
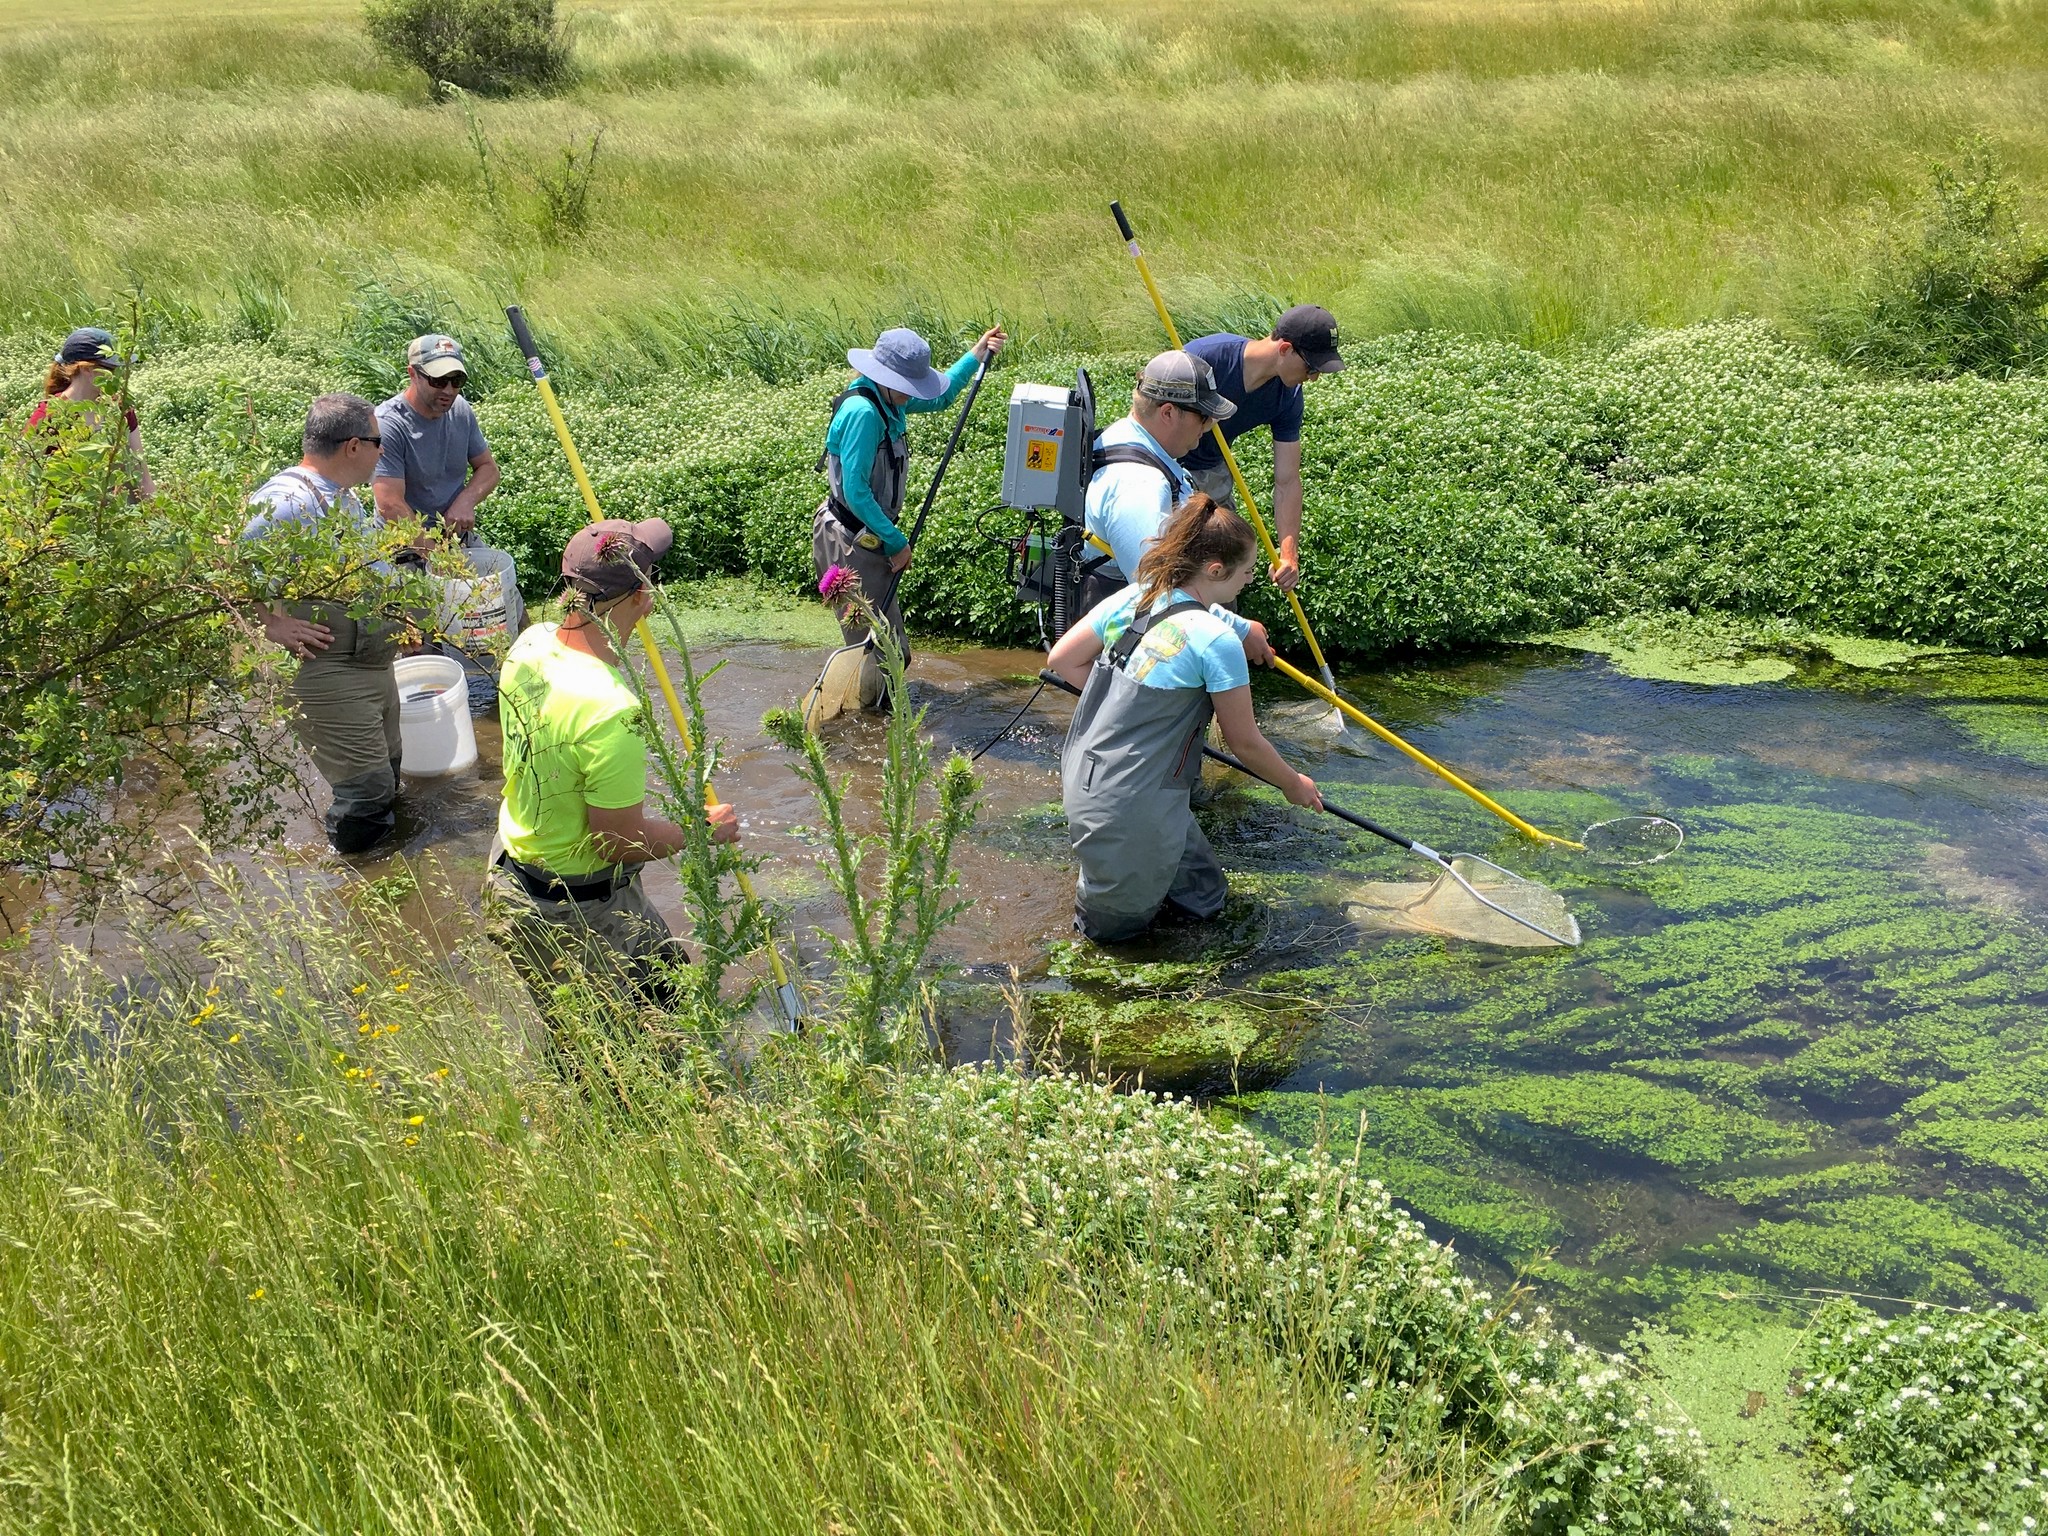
(1808, 1051)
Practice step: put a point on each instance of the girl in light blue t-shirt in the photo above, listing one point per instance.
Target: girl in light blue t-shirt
(1153, 663)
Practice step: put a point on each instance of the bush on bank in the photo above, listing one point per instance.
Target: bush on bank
(1938, 1419)
(1459, 492)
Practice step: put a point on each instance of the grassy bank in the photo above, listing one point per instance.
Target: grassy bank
(773, 174)
(300, 1229)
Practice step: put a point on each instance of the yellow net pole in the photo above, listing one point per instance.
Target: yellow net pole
(1351, 711)
(786, 994)
(1326, 690)
(1244, 494)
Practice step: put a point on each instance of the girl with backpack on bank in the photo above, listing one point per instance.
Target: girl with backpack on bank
(1154, 663)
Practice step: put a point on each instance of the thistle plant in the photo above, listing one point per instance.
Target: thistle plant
(892, 920)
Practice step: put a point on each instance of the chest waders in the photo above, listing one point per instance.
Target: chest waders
(1132, 757)
(887, 475)
(839, 537)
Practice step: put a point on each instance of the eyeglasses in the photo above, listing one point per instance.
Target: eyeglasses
(374, 442)
(446, 381)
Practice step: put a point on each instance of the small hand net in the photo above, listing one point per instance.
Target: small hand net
(1473, 899)
(1630, 840)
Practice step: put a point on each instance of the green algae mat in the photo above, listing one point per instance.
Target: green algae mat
(1810, 1051)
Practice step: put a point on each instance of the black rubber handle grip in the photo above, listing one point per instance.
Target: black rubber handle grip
(521, 333)
(1122, 223)
(1363, 823)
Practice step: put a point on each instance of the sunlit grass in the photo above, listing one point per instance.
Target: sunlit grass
(1527, 169)
(298, 1232)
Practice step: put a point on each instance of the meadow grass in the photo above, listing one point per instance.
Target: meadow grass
(1524, 168)
(299, 1233)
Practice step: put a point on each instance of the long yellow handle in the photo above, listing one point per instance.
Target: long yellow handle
(1287, 669)
(785, 991)
(1244, 493)
(1327, 688)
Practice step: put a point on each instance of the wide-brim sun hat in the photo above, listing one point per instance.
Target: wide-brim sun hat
(900, 359)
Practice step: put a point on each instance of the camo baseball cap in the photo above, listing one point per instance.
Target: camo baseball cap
(1181, 378)
(436, 356)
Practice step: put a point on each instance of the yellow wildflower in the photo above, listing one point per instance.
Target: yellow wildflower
(417, 1120)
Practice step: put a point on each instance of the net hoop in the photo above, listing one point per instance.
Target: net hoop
(1630, 842)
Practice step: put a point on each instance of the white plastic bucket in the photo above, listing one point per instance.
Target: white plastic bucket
(493, 606)
(482, 614)
(433, 716)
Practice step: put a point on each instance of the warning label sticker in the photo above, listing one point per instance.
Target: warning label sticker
(1042, 455)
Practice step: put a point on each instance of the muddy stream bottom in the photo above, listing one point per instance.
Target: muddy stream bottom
(1809, 1051)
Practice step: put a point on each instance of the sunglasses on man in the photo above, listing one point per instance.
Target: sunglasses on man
(446, 381)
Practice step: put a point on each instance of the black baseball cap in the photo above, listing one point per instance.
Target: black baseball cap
(1312, 331)
(90, 344)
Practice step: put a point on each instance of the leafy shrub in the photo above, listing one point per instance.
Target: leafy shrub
(489, 46)
(1963, 291)
(128, 673)
(1940, 1419)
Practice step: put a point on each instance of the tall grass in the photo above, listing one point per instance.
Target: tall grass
(1520, 169)
(295, 1235)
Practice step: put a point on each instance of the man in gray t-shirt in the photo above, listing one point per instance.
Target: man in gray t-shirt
(435, 461)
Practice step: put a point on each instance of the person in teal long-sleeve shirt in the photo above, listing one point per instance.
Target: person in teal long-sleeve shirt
(866, 464)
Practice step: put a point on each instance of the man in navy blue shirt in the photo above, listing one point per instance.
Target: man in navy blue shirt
(1263, 379)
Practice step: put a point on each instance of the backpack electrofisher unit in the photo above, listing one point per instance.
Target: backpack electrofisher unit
(1048, 459)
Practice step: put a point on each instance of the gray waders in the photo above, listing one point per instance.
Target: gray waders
(1132, 757)
(839, 537)
(347, 719)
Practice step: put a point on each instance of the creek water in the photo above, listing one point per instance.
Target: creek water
(1809, 1050)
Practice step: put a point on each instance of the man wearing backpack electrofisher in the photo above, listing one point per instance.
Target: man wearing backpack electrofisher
(1138, 479)
(1263, 380)
(867, 460)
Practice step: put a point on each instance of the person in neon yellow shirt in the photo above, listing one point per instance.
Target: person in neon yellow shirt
(563, 890)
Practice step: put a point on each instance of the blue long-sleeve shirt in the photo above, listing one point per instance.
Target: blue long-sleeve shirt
(857, 431)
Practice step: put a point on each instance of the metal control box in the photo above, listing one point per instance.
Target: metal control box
(1039, 447)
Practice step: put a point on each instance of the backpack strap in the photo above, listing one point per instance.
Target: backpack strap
(1127, 643)
(1131, 453)
(322, 506)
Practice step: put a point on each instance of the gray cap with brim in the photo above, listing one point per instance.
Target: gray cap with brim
(1181, 378)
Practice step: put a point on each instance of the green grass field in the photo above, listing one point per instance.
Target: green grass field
(1524, 168)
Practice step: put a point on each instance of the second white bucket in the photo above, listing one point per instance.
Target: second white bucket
(433, 716)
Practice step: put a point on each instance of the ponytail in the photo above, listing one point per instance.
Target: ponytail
(1199, 532)
(61, 376)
